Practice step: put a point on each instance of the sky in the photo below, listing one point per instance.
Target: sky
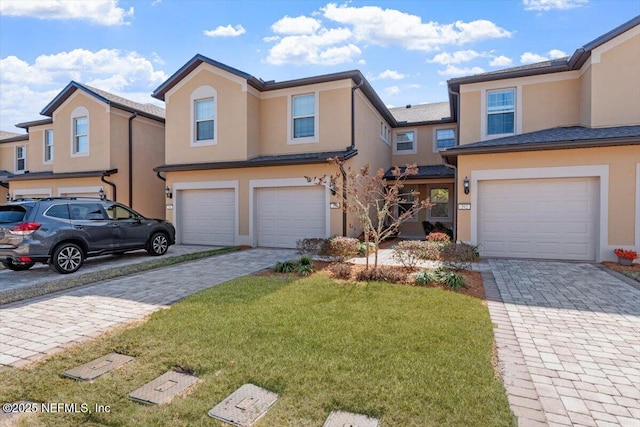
(406, 49)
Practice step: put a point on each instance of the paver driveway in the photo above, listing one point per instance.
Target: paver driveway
(31, 329)
(568, 338)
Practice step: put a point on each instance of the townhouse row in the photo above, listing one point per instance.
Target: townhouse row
(538, 161)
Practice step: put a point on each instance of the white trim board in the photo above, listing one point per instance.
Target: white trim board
(597, 171)
(637, 224)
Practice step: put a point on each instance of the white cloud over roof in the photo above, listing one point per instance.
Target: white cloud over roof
(103, 12)
(545, 5)
(226, 31)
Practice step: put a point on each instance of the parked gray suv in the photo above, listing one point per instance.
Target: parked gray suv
(64, 231)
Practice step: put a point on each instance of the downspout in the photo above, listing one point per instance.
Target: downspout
(131, 159)
(351, 147)
(454, 167)
(160, 176)
(111, 184)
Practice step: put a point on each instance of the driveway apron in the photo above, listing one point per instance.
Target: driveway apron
(32, 329)
(568, 340)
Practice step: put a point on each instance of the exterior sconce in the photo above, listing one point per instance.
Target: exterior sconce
(332, 187)
(101, 194)
(8, 197)
(168, 193)
(465, 185)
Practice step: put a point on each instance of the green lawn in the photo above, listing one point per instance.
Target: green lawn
(410, 356)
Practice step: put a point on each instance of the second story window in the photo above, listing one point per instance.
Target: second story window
(48, 145)
(405, 143)
(445, 138)
(21, 158)
(304, 111)
(80, 135)
(501, 111)
(205, 119)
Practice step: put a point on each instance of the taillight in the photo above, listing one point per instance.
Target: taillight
(25, 228)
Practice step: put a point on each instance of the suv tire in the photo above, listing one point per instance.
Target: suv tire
(158, 244)
(17, 267)
(67, 258)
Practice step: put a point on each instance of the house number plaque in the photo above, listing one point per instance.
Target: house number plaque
(464, 206)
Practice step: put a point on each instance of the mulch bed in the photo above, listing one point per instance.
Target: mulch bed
(473, 279)
(633, 269)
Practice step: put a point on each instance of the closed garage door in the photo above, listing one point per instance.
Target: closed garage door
(287, 214)
(207, 217)
(538, 218)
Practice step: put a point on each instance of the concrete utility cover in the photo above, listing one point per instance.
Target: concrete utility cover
(244, 406)
(347, 419)
(163, 388)
(95, 368)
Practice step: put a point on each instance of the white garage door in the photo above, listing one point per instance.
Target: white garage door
(287, 214)
(538, 218)
(207, 217)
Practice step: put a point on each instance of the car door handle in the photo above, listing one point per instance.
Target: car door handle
(115, 225)
(79, 227)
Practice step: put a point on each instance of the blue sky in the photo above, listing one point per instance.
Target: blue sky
(406, 49)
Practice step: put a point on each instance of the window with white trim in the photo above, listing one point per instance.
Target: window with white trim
(406, 203)
(303, 113)
(80, 135)
(21, 158)
(440, 199)
(501, 111)
(48, 145)
(205, 117)
(445, 138)
(405, 143)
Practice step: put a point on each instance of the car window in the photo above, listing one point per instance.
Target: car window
(87, 211)
(12, 214)
(120, 213)
(58, 211)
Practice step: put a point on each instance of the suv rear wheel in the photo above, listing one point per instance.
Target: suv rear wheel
(67, 258)
(17, 267)
(158, 244)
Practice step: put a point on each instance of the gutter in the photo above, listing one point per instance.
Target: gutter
(131, 159)
(111, 184)
(454, 167)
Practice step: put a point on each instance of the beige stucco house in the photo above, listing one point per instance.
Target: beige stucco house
(92, 141)
(551, 154)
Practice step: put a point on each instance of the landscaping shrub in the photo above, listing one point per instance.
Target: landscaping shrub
(432, 251)
(449, 278)
(363, 250)
(285, 267)
(430, 227)
(424, 277)
(304, 269)
(305, 260)
(437, 236)
(340, 270)
(382, 274)
(311, 246)
(409, 252)
(342, 247)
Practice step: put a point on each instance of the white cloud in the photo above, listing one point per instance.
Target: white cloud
(103, 12)
(319, 48)
(556, 53)
(454, 71)
(385, 27)
(545, 5)
(226, 31)
(532, 58)
(446, 58)
(28, 87)
(501, 61)
(389, 74)
(296, 26)
(392, 90)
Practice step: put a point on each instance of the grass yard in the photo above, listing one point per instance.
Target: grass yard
(407, 355)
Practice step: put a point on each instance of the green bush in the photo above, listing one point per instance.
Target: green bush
(285, 267)
(305, 260)
(449, 278)
(342, 247)
(364, 249)
(410, 252)
(304, 269)
(424, 277)
(340, 270)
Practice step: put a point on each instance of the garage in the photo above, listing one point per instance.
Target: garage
(539, 218)
(207, 217)
(286, 214)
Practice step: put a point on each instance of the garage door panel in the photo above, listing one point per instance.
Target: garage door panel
(288, 214)
(207, 217)
(538, 218)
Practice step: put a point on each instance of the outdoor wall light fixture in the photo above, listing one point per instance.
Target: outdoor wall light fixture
(8, 197)
(168, 193)
(465, 185)
(332, 187)
(101, 194)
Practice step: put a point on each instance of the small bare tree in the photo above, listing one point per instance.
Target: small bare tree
(380, 205)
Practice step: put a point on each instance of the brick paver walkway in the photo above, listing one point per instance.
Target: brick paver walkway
(568, 338)
(32, 329)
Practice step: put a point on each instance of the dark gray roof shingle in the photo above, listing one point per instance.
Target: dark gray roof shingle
(438, 111)
(5, 135)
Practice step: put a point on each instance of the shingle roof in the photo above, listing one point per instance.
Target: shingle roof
(61, 175)
(15, 137)
(4, 134)
(147, 110)
(438, 111)
(428, 171)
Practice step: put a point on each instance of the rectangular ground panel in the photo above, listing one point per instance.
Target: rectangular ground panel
(244, 406)
(342, 419)
(92, 370)
(163, 388)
